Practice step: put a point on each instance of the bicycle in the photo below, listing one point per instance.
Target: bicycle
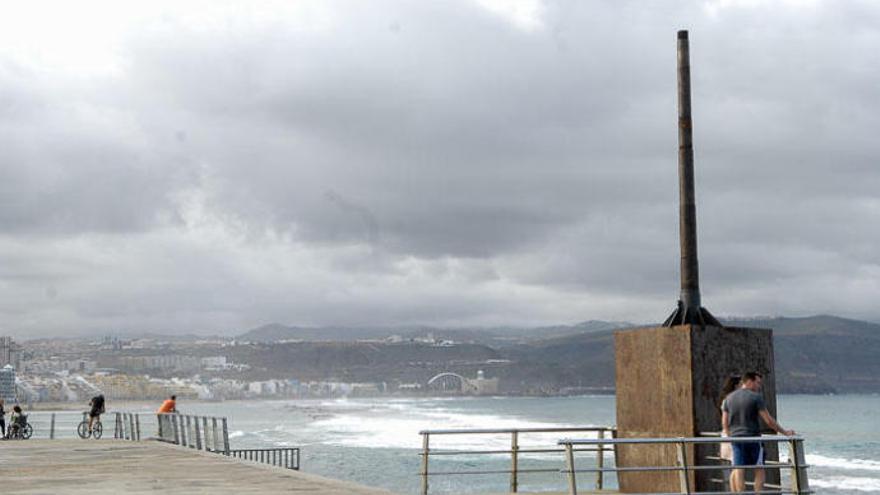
(97, 429)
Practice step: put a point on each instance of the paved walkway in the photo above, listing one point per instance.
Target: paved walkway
(120, 467)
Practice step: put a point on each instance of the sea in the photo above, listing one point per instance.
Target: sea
(376, 441)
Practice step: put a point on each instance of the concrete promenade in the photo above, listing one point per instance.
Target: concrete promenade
(117, 466)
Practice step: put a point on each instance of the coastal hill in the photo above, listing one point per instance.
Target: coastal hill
(275, 332)
(817, 354)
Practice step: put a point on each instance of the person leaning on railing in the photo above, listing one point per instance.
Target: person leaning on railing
(739, 418)
(167, 407)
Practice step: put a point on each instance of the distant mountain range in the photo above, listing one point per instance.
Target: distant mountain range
(816, 354)
(275, 332)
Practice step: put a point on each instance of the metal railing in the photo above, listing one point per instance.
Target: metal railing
(515, 451)
(208, 433)
(796, 465)
(53, 425)
(126, 426)
(63, 424)
(286, 457)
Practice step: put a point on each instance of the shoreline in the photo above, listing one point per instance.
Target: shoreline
(125, 404)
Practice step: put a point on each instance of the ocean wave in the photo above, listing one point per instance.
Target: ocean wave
(841, 463)
(393, 428)
(847, 483)
(236, 434)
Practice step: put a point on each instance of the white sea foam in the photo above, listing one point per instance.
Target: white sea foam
(841, 463)
(236, 434)
(847, 483)
(396, 424)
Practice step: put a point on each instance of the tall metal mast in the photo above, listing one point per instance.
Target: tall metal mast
(689, 310)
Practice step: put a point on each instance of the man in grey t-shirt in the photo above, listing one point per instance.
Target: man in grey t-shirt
(740, 412)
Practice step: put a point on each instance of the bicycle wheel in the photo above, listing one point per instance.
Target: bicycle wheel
(83, 430)
(97, 430)
(27, 431)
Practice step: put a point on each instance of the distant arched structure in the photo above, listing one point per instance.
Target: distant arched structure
(447, 382)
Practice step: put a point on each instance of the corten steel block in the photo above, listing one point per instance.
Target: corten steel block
(668, 385)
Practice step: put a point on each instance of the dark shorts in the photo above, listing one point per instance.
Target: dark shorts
(94, 413)
(748, 454)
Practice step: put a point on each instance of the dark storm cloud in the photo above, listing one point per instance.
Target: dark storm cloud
(455, 163)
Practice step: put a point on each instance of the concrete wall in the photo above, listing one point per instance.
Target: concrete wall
(668, 385)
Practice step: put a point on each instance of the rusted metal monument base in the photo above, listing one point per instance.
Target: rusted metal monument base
(668, 384)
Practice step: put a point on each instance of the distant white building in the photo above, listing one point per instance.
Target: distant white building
(215, 363)
(10, 353)
(7, 383)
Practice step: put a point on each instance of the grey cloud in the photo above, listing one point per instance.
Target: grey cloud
(429, 163)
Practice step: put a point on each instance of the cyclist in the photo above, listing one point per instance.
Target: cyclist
(96, 409)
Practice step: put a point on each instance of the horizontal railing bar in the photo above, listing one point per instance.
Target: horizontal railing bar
(511, 430)
(676, 468)
(534, 470)
(508, 451)
(272, 449)
(767, 462)
(548, 451)
(691, 440)
(500, 471)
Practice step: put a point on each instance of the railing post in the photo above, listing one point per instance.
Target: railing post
(189, 442)
(425, 451)
(181, 429)
(225, 437)
(514, 460)
(176, 428)
(683, 466)
(52, 428)
(799, 482)
(214, 434)
(569, 462)
(198, 435)
(184, 441)
(205, 430)
(600, 462)
(137, 425)
(116, 424)
(131, 427)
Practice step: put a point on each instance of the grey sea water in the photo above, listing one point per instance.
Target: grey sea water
(376, 441)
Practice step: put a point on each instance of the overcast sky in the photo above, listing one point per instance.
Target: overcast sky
(213, 167)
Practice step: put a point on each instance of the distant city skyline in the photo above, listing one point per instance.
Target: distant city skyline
(211, 167)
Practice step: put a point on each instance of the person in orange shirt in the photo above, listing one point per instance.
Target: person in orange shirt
(167, 407)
